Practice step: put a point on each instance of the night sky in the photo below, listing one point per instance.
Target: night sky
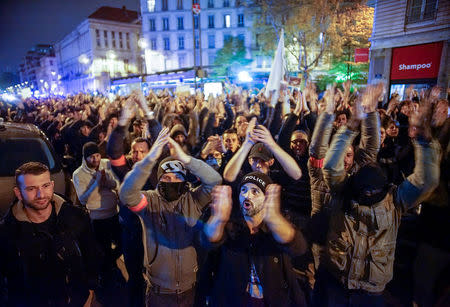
(25, 23)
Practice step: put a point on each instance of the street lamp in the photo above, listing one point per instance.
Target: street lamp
(111, 54)
(142, 43)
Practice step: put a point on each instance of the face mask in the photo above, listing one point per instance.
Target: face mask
(171, 190)
(214, 163)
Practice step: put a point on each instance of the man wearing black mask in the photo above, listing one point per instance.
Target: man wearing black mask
(168, 215)
(366, 214)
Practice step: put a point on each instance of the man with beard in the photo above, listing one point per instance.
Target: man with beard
(254, 246)
(96, 186)
(168, 215)
(49, 256)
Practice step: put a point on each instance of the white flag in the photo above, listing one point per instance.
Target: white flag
(277, 71)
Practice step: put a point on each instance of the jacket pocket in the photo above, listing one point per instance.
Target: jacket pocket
(338, 250)
(381, 264)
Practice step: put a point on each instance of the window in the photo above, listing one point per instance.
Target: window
(152, 24)
(128, 41)
(166, 43)
(113, 36)
(105, 38)
(197, 42)
(241, 37)
(226, 38)
(421, 10)
(181, 42)
(180, 23)
(211, 21)
(181, 60)
(240, 20)
(97, 35)
(120, 40)
(196, 22)
(211, 41)
(153, 44)
(226, 3)
(195, 1)
(210, 4)
(165, 24)
(125, 64)
(227, 21)
(164, 5)
(151, 5)
(211, 58)
(179, 4)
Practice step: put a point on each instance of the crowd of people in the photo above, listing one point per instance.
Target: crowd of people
(231, 200)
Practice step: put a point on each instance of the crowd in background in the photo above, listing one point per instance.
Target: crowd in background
(318, 152)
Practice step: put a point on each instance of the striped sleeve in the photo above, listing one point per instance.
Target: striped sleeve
(142, 204)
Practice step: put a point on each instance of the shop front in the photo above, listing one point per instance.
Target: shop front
(417, 65)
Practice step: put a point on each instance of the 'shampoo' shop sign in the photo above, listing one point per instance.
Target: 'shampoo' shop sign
(416, 62)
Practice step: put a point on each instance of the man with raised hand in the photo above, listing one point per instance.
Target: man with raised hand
(169, 214)
(254, 245)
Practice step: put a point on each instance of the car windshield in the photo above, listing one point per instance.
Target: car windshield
(16, 151)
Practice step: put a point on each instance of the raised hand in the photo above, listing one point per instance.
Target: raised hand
(440, 113)
(370, 97)
(420, 121)
(221, 203)
(178, 152)
(161, 141)
(272, 203)
(249, 131)
(298, 105)
(329, 98)
(128, 111)
(262, 134)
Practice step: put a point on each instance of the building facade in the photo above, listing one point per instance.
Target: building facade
(172, 43)
(102, 47)
(38, 64)
(410, 43)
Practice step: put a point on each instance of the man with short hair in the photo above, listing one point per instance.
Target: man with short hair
(49, 255)
(262, 150)
(255, 245)
(169, 214)
(96, 186)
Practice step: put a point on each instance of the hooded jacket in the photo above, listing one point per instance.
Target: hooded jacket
(170, 257)
(361, 240)
(101, 202)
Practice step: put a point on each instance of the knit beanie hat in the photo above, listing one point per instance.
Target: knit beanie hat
(257, 178)
(170, 165)
(90, 148)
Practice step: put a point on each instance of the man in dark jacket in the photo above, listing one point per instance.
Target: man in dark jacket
(254, 267)
(49, 256)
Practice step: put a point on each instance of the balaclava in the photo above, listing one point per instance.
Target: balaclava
(171, 190)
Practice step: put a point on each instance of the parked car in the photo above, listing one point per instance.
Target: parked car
(20, 143)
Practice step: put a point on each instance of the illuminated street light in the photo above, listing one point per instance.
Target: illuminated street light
(111, 54)
(244, 76)
(83, 59)
(142, 43)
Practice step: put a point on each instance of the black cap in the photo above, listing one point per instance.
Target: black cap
(259, 150)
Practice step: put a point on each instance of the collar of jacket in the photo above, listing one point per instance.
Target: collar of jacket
(18, 209)
(87, 168)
